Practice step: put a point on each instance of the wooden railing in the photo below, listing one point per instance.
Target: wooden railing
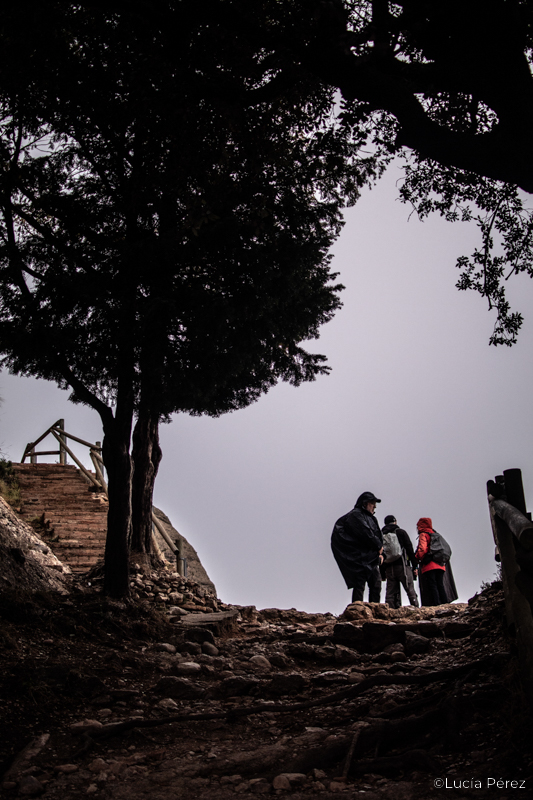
(57, 430)
(513, 535)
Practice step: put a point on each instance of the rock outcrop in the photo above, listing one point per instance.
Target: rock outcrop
(195, 569)
(27, 563)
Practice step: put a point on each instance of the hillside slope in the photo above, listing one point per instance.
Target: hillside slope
(134, 701)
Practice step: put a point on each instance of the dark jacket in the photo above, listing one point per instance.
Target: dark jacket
(356, 541)
(405, 542)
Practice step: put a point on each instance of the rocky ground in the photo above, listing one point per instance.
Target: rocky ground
(176, 695)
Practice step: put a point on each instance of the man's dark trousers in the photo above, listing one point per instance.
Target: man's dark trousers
(374, 585)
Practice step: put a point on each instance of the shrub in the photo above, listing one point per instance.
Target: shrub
(9, 487)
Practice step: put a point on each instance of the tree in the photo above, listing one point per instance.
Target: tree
(448, 84)
(449, 87)
(172, 177)
(167, 211)
(454, 76)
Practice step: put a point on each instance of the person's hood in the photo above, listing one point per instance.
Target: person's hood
(390, 528)
(366, 497)
(424, 525)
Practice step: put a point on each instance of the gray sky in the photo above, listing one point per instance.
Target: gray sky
(418, 409)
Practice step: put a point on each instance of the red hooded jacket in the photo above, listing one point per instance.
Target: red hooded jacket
(425, 529)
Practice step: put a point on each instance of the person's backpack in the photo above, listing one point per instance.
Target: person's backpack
(392, 549)
(439, 550)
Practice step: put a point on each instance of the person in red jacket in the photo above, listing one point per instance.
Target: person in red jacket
(432, 574)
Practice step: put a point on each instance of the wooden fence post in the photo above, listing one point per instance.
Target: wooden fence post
(514, 489)
(513, 534)
(179, 556)
(62, 442)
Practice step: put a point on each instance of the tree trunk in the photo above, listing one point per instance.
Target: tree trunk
(146, 455)
(115, 452)
(117, 461)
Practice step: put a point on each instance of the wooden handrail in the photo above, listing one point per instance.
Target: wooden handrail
(57, 430)
(76, 439)
(98, 469)
(85, 471)
(31, 445)
(520, 526)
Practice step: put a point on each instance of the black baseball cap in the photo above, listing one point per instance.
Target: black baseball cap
(371, 498)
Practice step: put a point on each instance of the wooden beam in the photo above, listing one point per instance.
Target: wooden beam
(519, 525)
(514, 489)
(520, 607)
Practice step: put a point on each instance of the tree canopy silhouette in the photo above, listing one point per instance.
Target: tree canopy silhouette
(449, 87)
(172, 177)
(167, 212)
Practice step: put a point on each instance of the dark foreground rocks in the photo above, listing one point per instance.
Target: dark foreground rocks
(135, 701)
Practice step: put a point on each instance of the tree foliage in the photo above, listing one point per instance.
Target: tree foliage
(448, 86)
(172, 177)
(505, 225)
(168, 203)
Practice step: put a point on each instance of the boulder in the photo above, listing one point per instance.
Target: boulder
(415, 644)
(286, 780)
(260, 663)
(348, 634)
(163, 647)
(377, 635)
(25, 564)
(344, 655)
(458, 630)
(357, 611)
(187, 668)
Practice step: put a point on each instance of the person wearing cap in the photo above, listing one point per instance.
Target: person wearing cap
(357, 546)
(401, 571)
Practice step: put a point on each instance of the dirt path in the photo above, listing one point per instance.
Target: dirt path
(271, 702)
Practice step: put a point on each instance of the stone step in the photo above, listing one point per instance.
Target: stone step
(58, 534)
(78, 508)
(80, 564)
(73, 514)
(99, 512)
(79, 549)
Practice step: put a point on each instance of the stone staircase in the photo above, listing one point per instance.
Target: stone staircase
(73, 519)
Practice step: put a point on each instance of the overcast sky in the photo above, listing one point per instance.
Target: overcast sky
(418, 409)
